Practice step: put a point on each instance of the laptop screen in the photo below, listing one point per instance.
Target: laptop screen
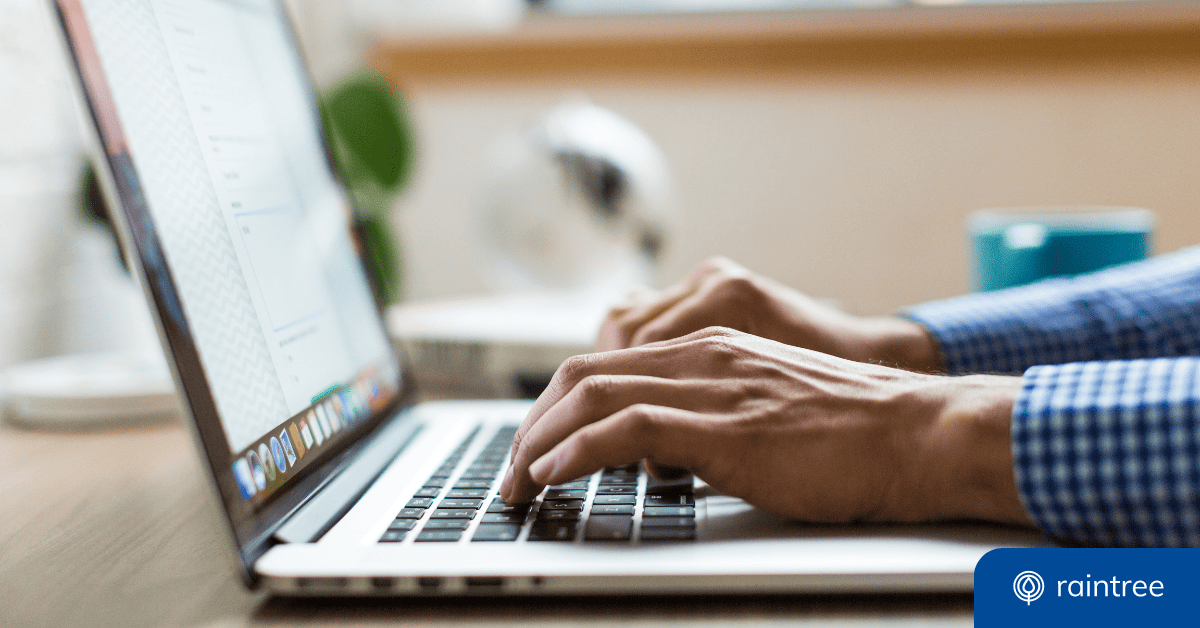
(244, 233)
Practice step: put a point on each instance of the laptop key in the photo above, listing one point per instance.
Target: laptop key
(612, 509)
(467, 493)
(572, 485)
(608, 528)
(667, 521)
(504, 517)
(555, 493)
(484, 468)
(563, 504)
(439, 536)
(668, 534)
(447, 524)
(563, 531)
(497, 532)
(462, 484)
(558, 515)
(473, 504)
(670, 500)
(674, 485)
(479, 475)
(498, 505)
(453, 513)
(402, 525)
(669, 511)
(435, 482)
(616, 490)
(393, 536)
(615, 499)
(615, 480)
(411, 513)
(419, 502)
(427, 491)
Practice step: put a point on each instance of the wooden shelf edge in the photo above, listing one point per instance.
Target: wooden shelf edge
(550, 48)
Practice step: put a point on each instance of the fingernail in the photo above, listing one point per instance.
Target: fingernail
(541, 469)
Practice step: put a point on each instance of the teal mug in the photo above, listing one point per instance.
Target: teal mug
(1016, 246)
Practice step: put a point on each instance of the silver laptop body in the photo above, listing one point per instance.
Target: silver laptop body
(332, 481)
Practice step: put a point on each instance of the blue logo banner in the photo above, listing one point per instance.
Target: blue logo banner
(1087, 587)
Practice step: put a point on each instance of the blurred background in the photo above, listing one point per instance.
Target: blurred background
(836, 145)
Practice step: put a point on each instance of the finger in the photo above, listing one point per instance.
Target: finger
(663, 471)
(652, 359)
(595, 398)
(659, 359)
(622, 323)
(668, 435)
(638, 296)
(697, 311)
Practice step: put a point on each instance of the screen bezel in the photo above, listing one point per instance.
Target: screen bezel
(251, 528)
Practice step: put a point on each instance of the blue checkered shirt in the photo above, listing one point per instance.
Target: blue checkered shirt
(1106, 431)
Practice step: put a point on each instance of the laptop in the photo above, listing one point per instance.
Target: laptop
(332, 480)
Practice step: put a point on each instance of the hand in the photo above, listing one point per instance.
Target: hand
(719, 292)
(789, 430)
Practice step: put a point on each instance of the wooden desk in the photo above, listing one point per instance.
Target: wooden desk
(116, 528)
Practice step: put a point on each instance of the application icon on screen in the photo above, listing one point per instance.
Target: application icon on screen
(288, 450)
(335, 412)
(264, 452)
(256, 468)
(278, 455)
(305, 431)
(245, 479)
(321, 425)
(294, 432)
(349, 411)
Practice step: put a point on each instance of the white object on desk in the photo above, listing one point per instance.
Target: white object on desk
(89, 388)
(499, 346)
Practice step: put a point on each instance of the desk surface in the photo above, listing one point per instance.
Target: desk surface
(116, 528)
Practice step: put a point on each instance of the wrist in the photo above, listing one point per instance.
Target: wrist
(965, 456)
(902, 343)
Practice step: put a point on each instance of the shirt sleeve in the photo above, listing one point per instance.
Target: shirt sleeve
(1142, 310)
(1108, 453)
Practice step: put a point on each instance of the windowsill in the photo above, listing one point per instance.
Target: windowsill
(550, 48)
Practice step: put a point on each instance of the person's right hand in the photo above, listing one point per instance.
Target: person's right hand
(796, 432)
(722, 293)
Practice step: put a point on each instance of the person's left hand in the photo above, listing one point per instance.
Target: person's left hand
(793, 431)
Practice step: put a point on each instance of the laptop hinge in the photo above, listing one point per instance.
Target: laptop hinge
(328, 505)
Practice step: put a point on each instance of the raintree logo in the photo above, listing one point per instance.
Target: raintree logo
(1028, 586)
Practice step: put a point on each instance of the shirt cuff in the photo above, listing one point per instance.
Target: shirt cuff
(1108, 453)
(1006, 331)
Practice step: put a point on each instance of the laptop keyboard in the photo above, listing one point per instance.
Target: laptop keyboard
(622, 504)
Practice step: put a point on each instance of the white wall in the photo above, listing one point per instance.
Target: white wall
(39, 165)
(850, 183)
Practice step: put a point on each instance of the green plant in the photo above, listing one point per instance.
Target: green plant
(373, 145)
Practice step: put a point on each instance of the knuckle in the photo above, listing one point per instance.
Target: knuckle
(594, 387)
(574, 368)
(641, 419)
(718, 335)
(739, 287)
(721, 345)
